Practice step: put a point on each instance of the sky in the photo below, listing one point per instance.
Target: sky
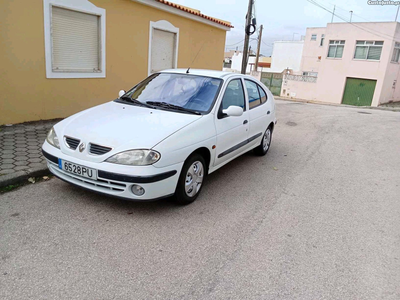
(287, 20)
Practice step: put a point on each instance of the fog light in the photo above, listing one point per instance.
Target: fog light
(137, 190)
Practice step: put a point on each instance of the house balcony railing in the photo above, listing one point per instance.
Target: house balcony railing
(303, 78)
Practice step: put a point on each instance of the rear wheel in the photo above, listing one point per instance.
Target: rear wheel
(265, 144)
(191, 180)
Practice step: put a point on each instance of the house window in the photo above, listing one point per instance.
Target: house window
(163, 48)
(74, 39)
(336, 49)
(396, 52)
(313, 37)
(312, 74)
(369, 50)
(322, 40)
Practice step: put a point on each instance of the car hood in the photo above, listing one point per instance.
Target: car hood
(120, 127)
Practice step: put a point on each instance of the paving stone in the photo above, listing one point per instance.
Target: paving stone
(7, 156)
(20, 149)
(6, 161)
(21, 153)
(19, 168)
(20, 138)
(7, 151)
(34, 160)
(6, 171)
(7, 147)
(22, 158)
(20, 163)
(35, 155)
(33, 143)
(33, 151)
(6, 166)
(32, 147)
(8, 143)
(37, 165)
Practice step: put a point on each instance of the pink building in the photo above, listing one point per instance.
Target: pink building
(349, 63)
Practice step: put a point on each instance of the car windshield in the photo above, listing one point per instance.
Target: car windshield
(172, 91)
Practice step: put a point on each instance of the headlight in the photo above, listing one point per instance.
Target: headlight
(52, 138)
(135, 158)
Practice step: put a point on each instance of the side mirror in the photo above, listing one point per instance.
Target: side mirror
(233, 111)
(121, 93)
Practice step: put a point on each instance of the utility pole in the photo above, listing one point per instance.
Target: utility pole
(258, 47)
(246, 37)
(397, 14)
(351, 15)
(333, 14)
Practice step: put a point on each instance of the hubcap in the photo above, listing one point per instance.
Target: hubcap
(267, 139)
(194, 179)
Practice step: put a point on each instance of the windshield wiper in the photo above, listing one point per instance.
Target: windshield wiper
(129, 99)
(172, 106)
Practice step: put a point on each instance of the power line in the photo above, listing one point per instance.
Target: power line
(359, 27)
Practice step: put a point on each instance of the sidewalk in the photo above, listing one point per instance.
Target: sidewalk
(20, 151)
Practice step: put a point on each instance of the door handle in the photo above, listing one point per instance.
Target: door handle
(245, 122)
(268, 112)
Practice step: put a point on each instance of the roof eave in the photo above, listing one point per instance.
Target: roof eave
(182, 13)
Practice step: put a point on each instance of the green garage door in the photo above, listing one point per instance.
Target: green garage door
(359, 92)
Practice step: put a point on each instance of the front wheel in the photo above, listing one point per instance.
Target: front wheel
(265, 144)
(191, 180)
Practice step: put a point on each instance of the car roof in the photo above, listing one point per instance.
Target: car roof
(199, 72)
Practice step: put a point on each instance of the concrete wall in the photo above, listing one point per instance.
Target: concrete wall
(332, 72)
(312, 50)
(287, 54)
(25, 92)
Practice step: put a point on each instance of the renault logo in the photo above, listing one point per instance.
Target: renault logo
(82, 147)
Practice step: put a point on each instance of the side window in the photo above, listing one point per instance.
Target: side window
(234, 95)
(252, 91)
(263, 95)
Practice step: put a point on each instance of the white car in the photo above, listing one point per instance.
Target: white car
(163, 137)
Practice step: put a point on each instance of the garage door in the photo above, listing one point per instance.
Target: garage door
(359, 92)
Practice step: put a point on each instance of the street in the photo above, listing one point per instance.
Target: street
(317, 218)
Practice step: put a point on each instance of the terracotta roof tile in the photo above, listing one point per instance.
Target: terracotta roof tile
(196, 13)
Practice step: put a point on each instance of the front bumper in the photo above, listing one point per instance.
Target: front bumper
(117, 180)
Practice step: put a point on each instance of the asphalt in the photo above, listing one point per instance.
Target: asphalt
(317, 218)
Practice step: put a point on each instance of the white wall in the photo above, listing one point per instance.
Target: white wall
(237, 63)
(287, 54)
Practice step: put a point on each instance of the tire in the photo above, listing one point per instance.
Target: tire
(265, 144)
(191, 180)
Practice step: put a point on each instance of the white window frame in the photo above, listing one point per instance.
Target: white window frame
(310, 74)
(335, 43)
(396, 49)
(83, 6)
(367, 44)
(165, 26)
(314, 37)
(321, 43)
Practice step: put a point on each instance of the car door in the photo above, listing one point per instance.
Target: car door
(259, 111)
(232, 132)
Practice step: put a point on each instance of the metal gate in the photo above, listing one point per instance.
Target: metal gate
(359, 92)
(273, 81)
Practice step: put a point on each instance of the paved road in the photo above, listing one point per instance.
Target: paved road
(317, 218)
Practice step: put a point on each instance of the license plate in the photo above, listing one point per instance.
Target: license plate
(77, 169)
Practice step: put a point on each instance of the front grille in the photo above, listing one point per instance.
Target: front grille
(98, 149)
(71, 142)
(99, 184)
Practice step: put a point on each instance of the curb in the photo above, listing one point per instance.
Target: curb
(21, 176)
(394, 109)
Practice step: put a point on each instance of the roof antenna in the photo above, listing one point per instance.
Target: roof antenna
(187, 71)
